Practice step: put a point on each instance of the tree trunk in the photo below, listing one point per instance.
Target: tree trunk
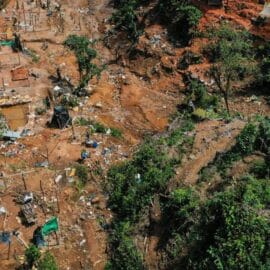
(225, 94)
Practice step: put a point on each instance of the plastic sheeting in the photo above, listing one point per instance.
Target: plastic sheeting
(5, 237)
(266, 11)
(50, 226)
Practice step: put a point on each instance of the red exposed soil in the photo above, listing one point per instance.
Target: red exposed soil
(137, 96)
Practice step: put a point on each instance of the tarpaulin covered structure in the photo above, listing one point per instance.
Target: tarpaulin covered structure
(60, 118)
(50, 226)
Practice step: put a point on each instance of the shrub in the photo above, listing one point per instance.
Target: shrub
(82, 173)
(198, 94)
(245, 144)
(85, 55)
(115, 132)
(125, 18)
(47, 262)
(181, 17)
(124, 253)
(32, 255)
(132, 184)
(261, 169)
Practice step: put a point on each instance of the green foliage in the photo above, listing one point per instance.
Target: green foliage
(33, 54)
(226, 40)
(263, 139)
(182, 18)
(124, 253)
(181, 206)
(81, 121)
(178, 136)
(69, 101)
(97, 127)
(261, 169)
(231, 51)
(115, 132)
(125, 18)
(32, 255)
(82, 173)
(245, 143)
(238, 235)
(47, 262)
(263, 53)
(254, 136)
(222, 232)
(255, 192)
(85, 55)
(3, 125)
(198, 94)
(132, 184)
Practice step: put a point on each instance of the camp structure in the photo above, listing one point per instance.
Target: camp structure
(266, 11)
(19, 74)
(29, 213)
(50, 226)
(60, 118)
(215, 2)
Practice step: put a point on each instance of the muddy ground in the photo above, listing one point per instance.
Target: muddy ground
(137, 96)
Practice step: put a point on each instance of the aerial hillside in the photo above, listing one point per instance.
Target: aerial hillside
(134, 135)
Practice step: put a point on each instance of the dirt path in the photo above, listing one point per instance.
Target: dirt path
(212, 137)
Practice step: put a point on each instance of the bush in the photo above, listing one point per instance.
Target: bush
(245, 144)
(85, 55)
(181, 17)
(233, 234)
(82, 173)
(261, 169)
(32, 255)
(132, 184)
(124, 253)
(47, 262)
(198, 94)
(125, 18)
(69, 101)
(115, 132)
(178, 136)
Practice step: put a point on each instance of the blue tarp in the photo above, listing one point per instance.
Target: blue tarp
(5, 237)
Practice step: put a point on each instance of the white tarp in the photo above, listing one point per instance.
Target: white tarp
(266, 11)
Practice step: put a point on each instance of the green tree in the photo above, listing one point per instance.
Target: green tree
(181, 17)
(125, 18)
(47, 262)
(32, 255)
(231, 51)
(85, 55)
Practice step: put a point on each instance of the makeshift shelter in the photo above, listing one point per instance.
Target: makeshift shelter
(266, 11)
(29, 213)
(38, 238)
(10, 135)
(50, 226)
(60, 118)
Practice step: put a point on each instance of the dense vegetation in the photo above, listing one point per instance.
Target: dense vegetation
(132, 186)
(227, 229)
(222, 222)
(230, 228)
(181, 18)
